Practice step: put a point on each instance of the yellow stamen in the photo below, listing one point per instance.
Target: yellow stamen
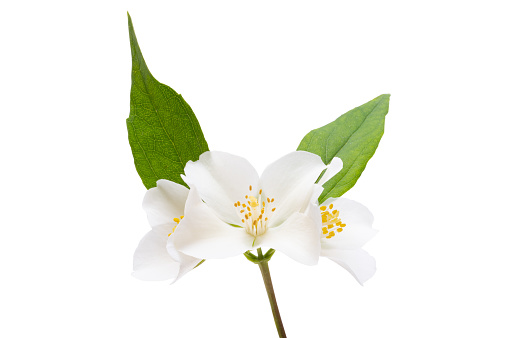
(252, 214)
(331, 223)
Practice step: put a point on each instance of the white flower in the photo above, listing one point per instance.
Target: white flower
(243, 211)
(155, 258)
(346, 227)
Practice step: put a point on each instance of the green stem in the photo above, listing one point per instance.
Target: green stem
(264, 268)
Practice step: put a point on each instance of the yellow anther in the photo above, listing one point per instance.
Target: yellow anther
(272, 200)
(330, 226)
(273, 209)
(323, 207)
(248, 208)
(324, 230)
(181, 217)
(263, 210)
(253, 202)
(176, 220)
(332, 234)
(268, 200)
(260, 191)
(266, 219)
(335, 213)
(331, 206)
(263, 203)
(243, 205)
(339, 229)
(250, 187)
(242, 211)
(243, 220)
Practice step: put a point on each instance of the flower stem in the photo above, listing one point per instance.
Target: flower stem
(264, 268)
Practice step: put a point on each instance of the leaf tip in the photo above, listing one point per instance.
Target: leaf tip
(129, 21)
(384, 100)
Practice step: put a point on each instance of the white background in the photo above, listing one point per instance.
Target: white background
(259, 75)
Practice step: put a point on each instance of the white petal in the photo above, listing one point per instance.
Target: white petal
(332, 169)
(187, 264)
(358, 230)
(221, 179)
(317, 191)
(312, 209)
(358, 262)
(173, 252)
(290, 182)
(314, 212)
(202, 234)
(164, 202)
(151, 260)
(298, 238)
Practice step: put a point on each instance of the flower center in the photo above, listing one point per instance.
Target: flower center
(176, 220)
(331, 223)
(255, 212)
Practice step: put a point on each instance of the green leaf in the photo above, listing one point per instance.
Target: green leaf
(163, 131)
(353, 137)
